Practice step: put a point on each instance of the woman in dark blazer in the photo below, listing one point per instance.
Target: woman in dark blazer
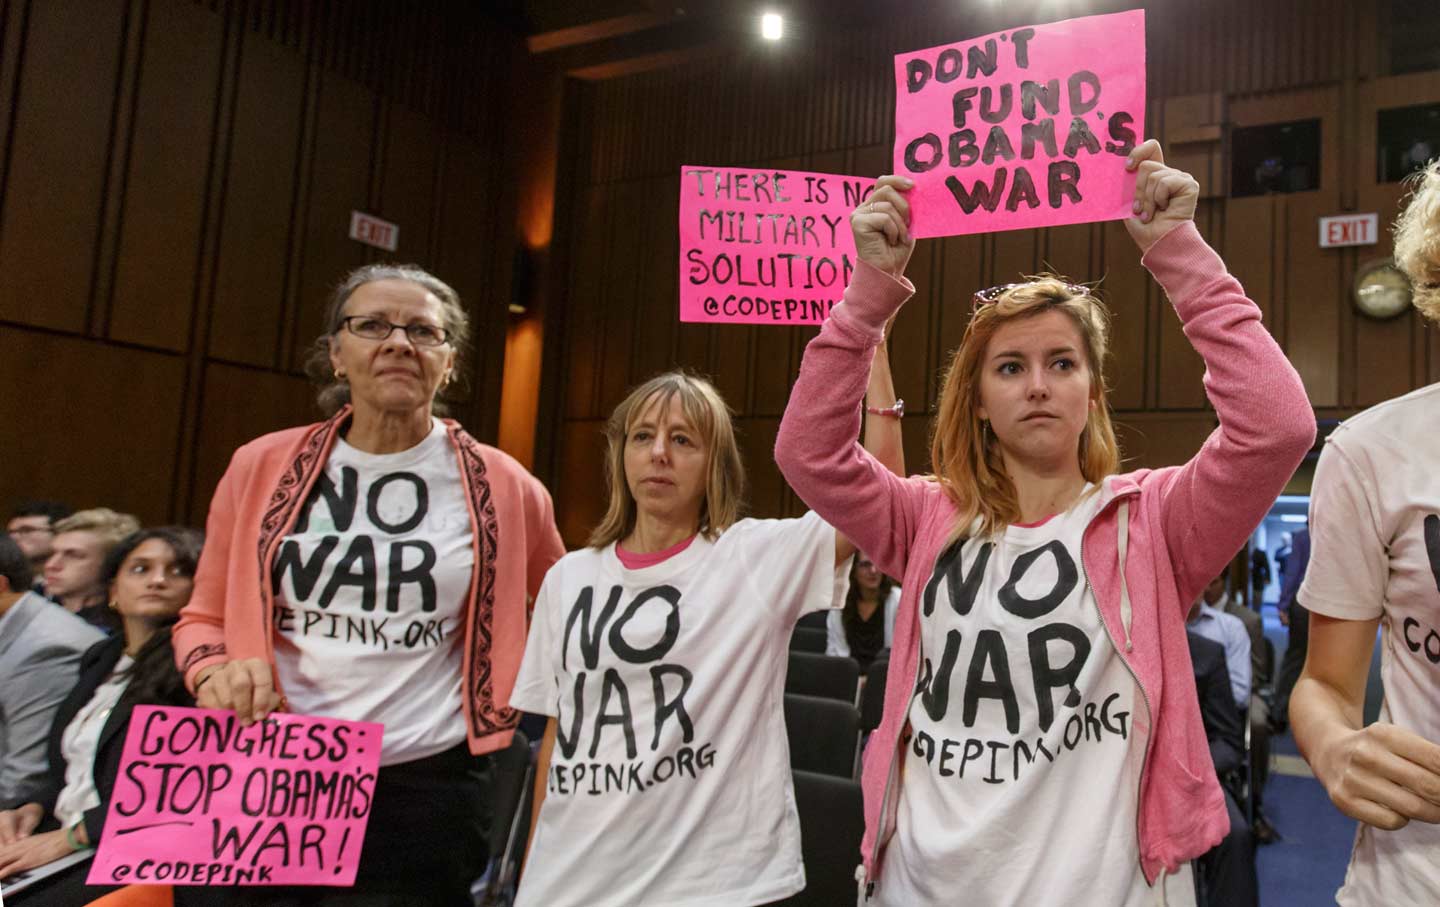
(149, 576)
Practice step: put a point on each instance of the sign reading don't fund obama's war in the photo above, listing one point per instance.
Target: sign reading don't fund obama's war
(1023, 128)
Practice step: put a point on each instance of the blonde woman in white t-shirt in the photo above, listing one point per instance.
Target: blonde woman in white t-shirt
(659, 653)
(1375, 562)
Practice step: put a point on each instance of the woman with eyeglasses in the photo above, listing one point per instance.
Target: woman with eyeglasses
(1041, 739)
(376, 566)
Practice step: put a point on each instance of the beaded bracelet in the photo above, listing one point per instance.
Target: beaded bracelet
(71, 839)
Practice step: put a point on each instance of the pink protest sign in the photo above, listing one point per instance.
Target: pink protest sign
(1021, 129)
(764, 246)
(200, 800)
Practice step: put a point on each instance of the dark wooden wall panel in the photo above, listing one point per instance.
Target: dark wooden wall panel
(55, 176)
(164, 194)
(828, 101)
(241, 404)
(339, 184)
(176, 181)
(407, 194)
(258, 205)
(117, 408)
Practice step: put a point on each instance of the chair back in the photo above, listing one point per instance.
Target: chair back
(832, 823)
(827, 676)
(809, 639)
(824, 735)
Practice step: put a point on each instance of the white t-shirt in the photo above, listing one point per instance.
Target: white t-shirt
(371, 587)
(1375, 552)
(79, 741)
(669, 782)
(1020, 783)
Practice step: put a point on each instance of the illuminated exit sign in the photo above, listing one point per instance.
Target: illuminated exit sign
(1349, 230)
(373, 231)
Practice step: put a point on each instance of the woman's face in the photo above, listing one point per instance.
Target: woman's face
(151, 584)
(666, 462)
(1035, 389)
(867, 577)
(394, 374)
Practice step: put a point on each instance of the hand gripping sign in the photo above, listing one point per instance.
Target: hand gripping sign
(200, 800)
(765, 246)
(1023, 128)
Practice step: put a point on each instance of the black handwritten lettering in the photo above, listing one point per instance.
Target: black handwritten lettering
(1066, 578)
(419, 574)
(356, 568)
(408, 524)
(1047, 676)
(341, 502)
(990, 649)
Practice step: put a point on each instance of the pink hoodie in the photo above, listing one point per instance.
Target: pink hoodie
(229, 615)
(1159, 537)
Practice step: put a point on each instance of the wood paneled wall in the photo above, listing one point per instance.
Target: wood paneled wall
(176, 182)
(824, 101)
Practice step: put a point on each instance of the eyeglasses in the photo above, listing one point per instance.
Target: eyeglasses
(985, 297)
(372, 328)
(29, 530)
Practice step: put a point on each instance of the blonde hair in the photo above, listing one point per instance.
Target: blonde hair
(111, 527)
(963, 451)
(1417, 240)
(709, 416)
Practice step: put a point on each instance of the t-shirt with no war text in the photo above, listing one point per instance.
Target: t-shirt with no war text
(669, 782)
(371, 587)
(1021, 775)
(1375, 553)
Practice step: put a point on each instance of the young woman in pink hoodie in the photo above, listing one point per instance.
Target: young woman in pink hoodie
(1041, 739)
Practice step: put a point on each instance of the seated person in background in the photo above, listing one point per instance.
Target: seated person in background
(1228, 631)
(32, 526)
(73, 572)
(865, 626)
(40, 648)
(1257, 710)
(149, 576)
(1229, 868)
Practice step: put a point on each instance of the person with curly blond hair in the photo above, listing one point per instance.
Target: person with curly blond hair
(1375, 562)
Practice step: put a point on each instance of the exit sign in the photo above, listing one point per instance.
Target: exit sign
(1349, 230)
(373, 231)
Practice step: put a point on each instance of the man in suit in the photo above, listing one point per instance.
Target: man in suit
(40, 648)
(1229, 869)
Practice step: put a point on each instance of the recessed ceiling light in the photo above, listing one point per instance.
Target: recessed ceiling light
(772, 26)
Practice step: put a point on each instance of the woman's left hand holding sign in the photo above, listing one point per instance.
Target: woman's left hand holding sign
(881, 225)
(245, 685)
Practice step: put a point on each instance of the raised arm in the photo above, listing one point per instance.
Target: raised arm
(1213, 502)
(816, 449)
(883, 437)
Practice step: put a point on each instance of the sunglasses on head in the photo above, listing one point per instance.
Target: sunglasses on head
(985, 297)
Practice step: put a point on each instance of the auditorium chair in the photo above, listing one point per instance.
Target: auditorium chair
(824, 735)
(815, 620)
(872, 696)
(827, 676)
(513, 769)
(832, 822)
(808, 639)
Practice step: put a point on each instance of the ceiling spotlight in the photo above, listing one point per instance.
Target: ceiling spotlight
(772, 26)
